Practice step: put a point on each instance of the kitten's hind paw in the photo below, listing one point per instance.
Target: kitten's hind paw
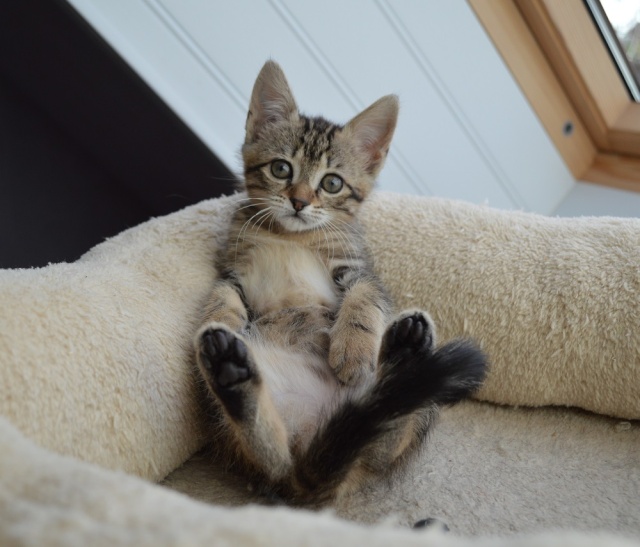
(411, 333)
(415, 374)
(224, 356)
(227, 368)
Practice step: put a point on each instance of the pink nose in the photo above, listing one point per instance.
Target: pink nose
(298, 204)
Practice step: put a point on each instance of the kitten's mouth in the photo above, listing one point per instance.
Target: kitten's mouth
(296, 222)
(295, 216)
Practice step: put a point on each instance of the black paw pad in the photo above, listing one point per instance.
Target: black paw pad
(431, 523)
(409, 334)
(225, 357)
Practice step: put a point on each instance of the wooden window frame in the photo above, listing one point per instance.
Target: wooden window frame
(563, 67)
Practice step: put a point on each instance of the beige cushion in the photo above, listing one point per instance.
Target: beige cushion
(95, 356)
(554, 302)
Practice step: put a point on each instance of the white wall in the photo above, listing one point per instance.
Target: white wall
(587, 199)
(465, 130)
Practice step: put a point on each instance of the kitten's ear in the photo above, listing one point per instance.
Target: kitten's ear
(373, 129)
(271, 101)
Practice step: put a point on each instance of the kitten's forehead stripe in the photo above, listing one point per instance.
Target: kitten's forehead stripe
(317, 137)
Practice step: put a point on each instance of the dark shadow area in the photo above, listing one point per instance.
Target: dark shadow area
(86, 147)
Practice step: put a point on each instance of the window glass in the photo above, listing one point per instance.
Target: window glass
(619, 22)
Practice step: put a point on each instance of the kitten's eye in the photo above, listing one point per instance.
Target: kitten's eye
(281, 169)
(332, 184)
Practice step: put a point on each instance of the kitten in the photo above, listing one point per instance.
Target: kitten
(316, 384)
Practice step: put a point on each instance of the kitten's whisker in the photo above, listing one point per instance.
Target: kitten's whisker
(253, 200)
(329, 242)
(273, 217)
(241, 200)
(350, 227)
(322, 227)
(242, 230)
(347, 231)
(268, 215)
(249, 206)
(328, 235)
(353, 253)
(263, 213)
(248, 197)
(338, 237)
(245, 227)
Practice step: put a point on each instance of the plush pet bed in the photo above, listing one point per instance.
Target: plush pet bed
(99, 401)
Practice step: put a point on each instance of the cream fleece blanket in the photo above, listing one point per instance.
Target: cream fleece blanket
(95, 356)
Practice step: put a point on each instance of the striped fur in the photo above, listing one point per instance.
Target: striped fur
(316, 385)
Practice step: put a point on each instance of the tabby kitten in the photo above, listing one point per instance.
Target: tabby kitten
(316, 384)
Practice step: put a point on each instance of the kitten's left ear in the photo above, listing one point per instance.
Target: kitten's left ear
(271, 101)
(373, 129)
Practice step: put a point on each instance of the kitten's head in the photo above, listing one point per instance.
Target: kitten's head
(309, 172)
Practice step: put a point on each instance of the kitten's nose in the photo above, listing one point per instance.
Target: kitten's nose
(298, 204)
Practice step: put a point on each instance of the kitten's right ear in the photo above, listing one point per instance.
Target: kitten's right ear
(271, 101)
(372, 131)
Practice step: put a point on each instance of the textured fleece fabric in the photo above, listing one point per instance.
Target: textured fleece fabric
(96, 365)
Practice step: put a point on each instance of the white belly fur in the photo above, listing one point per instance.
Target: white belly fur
(302, 397)
(284, 275)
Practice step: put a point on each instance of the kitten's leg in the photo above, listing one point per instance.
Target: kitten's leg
(231, 376)
(413, 330)
(356, 334)
(226, 306)
(227, 365)
(446, 375)
(407, 433)
(413, 379)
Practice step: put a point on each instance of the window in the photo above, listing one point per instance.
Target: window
(557, 55)
(619, 24)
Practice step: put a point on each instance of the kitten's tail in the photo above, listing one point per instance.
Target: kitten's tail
(415, 381)
(451, 373)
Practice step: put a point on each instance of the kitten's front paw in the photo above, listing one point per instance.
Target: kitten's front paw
(411, 333)
(353, 354)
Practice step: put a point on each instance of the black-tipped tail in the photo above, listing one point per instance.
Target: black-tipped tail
(458, 369)
(411, 382)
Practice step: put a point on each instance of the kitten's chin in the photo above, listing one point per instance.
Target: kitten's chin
(292, 223)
